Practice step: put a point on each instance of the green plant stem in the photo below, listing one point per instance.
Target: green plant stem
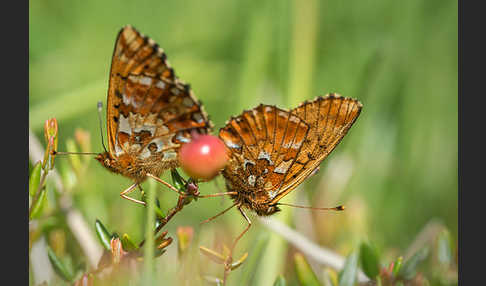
(149, 235)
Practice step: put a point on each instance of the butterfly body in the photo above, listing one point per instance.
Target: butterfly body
(251, 192)
(129, 166)
(150, 112)
(273, 150)
(257, 199)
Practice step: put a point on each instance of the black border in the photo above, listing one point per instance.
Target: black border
(471, 63)
(15, 155)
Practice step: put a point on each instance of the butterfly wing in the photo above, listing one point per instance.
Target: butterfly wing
(272, 150)
(150, 112)
(263, 143)
(329, 119)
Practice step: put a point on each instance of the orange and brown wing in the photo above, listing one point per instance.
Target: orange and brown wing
(329, 119)
(263, 143)
(149, 110)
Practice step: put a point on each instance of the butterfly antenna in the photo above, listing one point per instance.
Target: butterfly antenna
(72, 153)
(100, 109)
(338, 208)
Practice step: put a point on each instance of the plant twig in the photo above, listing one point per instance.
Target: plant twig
(319, 254)
(172, 212)
(75, 220)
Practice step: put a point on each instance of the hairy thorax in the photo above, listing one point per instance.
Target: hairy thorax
(256, 201)
(133, 168)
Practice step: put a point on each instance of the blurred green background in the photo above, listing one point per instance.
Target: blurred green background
(395, 171)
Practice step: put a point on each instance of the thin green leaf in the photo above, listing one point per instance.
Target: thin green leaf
(409, 268)
(67, 261)
(159, 213)
(348, 274)
(305, 274)
(39, 204)
(280, 281)
(397, 266)
(369, 260)
(34, 178)
(127, 243)
(103, 235)
(177, 180)
(58, 266)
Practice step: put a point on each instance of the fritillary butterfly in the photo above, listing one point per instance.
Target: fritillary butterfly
(273, 150)
(150, 112)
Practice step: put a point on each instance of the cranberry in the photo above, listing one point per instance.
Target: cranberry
(203, 157)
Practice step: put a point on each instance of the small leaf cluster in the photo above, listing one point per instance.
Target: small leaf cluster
(399, 272)
(38, 174)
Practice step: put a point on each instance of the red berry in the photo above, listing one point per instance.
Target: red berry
(203, 157)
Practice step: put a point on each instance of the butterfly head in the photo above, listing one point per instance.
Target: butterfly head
(126, 166)
(265, 209)
(256, 200)
(106, 160)
(271, 209)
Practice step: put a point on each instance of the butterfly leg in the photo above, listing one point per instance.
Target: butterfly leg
(218, 195)
(223, 212)
(172, 188)
(244, 231)
(229, 260)
(129, 190)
